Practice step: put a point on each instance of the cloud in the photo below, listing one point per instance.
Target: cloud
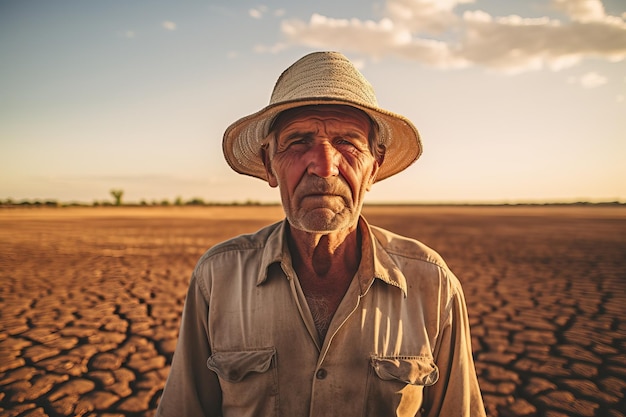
(432, 32)
(581, 10)
(516, 44)
(589, 80)
(257, 13)
(592, 80)
(169, 25)
(424, 15)
(375, 39)
(260, 11)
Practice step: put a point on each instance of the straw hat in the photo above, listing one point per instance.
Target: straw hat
(321, 78)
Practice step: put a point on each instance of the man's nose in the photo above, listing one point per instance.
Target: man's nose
(323, 160)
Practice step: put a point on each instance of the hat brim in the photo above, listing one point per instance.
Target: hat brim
(242, 139)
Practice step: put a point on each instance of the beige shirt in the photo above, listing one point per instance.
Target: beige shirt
(398, 345)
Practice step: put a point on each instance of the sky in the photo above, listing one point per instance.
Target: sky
(516, 101)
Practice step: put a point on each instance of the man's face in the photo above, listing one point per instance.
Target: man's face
(322, 164)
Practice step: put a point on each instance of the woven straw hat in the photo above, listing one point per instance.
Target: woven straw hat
(321, 78)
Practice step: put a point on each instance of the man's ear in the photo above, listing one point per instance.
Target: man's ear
(267, 163)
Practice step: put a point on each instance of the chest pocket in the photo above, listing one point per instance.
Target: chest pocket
(249, 381)
(395, 384)
(414, 370)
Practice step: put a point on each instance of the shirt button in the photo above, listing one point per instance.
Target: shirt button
(321, 373)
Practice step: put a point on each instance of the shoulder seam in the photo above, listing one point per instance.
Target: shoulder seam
(428, 259)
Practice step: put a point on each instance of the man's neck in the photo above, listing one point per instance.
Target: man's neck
(325, 265)
(326, 254)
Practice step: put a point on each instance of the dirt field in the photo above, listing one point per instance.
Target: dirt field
(90, 301)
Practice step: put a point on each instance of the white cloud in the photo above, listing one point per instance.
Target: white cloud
(581, 10)
(516, 44)
(169, 25)
(258, 12)
(376, 39)
(431, 32)
(592, 80)
(589, 80)
(430, 15)
(359, 63)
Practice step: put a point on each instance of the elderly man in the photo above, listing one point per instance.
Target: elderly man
(322, 314)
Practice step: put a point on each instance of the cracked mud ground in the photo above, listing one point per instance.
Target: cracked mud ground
(90, 301)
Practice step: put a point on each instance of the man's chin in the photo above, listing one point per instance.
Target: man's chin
(322, 220)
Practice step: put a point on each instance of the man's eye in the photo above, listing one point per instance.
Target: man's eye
(346, 142)
(301, 141)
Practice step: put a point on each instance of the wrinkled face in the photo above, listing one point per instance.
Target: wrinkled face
(323, 166)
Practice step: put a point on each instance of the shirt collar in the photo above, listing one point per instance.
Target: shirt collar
(375, 261)
(273, 251)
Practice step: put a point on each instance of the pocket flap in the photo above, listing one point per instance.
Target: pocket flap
(235, 366)
(414, 370)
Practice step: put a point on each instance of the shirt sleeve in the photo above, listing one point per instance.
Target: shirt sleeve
(456, 393)
(191, 388)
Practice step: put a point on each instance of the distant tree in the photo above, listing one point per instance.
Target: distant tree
(178, 201)
(117, 195)
(195, 202)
